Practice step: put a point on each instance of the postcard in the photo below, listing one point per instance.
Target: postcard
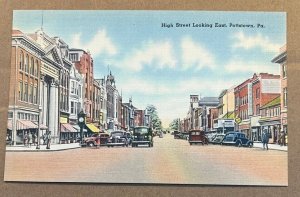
(152, 97)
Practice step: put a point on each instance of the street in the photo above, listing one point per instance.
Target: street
(169, 161)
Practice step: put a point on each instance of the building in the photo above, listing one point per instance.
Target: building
(103, 101)
(270, 120)
(55, 84)
(281, 59)
(250, 96)
(96, 103)
(226, 103)
(139, 117)
(24, 111)
(84, 63)
(193, 113)
(206, 103)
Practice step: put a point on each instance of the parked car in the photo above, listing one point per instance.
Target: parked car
(237, 139)
(94, 139)
(183, 135)
(197, 136)
(217, 139)
(117, 138)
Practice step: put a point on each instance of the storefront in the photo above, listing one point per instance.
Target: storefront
(273, 129)
(244, 127)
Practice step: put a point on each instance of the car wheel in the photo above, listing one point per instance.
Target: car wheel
(90, 144)
(149, 145)
(250, 145)
(239, 144)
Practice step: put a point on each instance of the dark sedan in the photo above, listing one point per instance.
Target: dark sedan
(117, 138)
(237, 139)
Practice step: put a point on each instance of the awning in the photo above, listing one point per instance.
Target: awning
(92, 128)
(66, 127)
(9, 124)
(25, 124)
(43, 127)
(78, 128)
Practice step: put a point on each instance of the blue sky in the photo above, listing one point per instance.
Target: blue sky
(163, 66)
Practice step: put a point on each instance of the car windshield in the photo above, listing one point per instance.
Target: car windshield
(116, 134)
(141, 130)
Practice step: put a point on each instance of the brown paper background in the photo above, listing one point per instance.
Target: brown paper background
(86, 189)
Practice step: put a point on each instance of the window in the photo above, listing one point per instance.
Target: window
(34, 95)
(79, 91)
(31, 66)
(21, 60)
(31, 94)
(284, 97)
(35, 68)
(257, 93)
(21, 90)
(26, 92)
(72, 87)
(257, 109)
(72, 108)
(26, 63)
(10, 114)
(283, 70)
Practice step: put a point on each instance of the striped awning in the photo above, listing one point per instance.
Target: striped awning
(66, 127)
(92, 128)
(25, 124)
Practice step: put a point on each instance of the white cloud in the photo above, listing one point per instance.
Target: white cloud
(238, 66)
(158, 55)
(249, 42)
(101, 43)
(195, 55)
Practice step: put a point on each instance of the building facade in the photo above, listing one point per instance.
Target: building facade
(281, 59)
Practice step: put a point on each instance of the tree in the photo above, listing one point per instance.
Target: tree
(174, 125)
(154, 118)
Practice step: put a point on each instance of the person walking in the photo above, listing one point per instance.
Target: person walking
(25, 140)
(29, 139)
(33, 139)
(48, 139)
(265, 139)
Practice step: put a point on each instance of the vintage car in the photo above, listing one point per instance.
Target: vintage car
(117, 138)
(197, 136)
(176, 134)
(183, 135)
(142, 135)
(237, 139)
(96, 140)
(217, 139)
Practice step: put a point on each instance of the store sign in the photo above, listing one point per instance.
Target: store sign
(63, 120)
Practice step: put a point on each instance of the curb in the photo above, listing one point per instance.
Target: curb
(41, 150)
(270, 148)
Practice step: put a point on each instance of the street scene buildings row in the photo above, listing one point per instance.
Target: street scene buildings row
(50, 83)
(258, 103)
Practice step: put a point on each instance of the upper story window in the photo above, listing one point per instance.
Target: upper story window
(74, 56)
(21, 60)
(257, 93)
(31, 66)
(26, 63)
(283, 70)
(35, 69)
(284, 97)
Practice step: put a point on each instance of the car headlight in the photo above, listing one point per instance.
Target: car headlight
(135, 136)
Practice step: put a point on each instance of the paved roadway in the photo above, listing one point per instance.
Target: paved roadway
(169, 161)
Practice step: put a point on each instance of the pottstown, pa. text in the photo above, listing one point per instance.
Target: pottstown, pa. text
(211, 25)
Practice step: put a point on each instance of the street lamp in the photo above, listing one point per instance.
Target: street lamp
(39, 128)
(81, 122)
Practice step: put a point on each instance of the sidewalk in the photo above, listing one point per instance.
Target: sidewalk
(53, 147)
(271, 146)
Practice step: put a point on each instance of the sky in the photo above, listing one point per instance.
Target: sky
(160, 65)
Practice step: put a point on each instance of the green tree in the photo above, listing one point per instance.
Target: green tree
(174, 125)
(154, 118)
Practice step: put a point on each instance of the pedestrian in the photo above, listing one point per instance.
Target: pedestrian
(29, 139)
(25, 140)
(34, 139)
(265, 139)
(48, 139)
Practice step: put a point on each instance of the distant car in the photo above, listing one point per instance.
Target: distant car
(176, 134)
(217, 139)
(117, 138)
(197, 136)
(237, 139)
(183, 135)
